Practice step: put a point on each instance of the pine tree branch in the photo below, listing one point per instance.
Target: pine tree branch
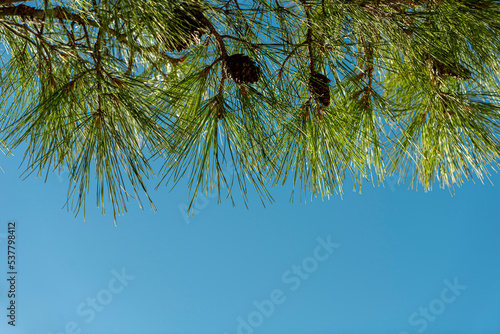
(218, 38)
(61, 13)
(17, 33)
(29, 12)
(437, 90)
(309, 37)
(10, 2)
(368, 50)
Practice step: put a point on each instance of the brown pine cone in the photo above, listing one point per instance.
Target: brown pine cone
(319, 88)
(190, 25)
(241, 69)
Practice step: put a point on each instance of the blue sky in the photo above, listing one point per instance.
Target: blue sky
(390, 260)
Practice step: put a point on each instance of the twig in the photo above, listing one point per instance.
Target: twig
(280, 72)
(240, 40)
(309, 36)
(218, 38)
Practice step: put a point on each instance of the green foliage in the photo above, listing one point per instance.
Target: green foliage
(307, 91)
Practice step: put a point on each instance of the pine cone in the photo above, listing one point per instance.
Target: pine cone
(241, 69)
(190, 25)
(319, 88)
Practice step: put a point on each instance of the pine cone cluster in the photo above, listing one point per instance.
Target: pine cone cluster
(190, 25)
(319, 88)
(241, 69)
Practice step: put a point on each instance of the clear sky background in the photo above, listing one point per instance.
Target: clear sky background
(399, 261)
